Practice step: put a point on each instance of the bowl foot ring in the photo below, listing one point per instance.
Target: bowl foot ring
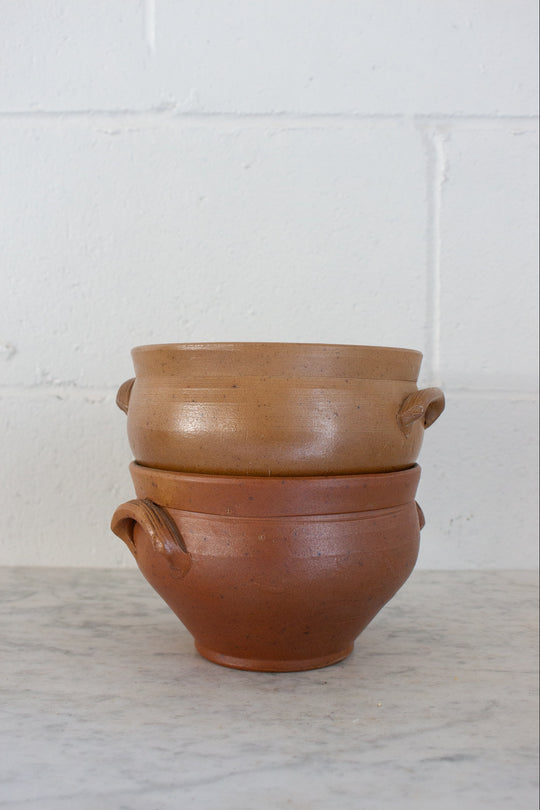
(268, 665)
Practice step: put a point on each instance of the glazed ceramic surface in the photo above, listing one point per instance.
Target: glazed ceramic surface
(252, 496)
(268, 591)
(277, 409)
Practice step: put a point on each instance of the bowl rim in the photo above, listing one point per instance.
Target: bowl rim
(273, 360)
(229, 345)
(275, 496)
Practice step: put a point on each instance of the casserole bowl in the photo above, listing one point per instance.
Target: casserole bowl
(277, 409)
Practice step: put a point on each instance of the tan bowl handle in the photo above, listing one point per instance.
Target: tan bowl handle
(160, 528)
(421, 518)
(427, 404)
(124, 392)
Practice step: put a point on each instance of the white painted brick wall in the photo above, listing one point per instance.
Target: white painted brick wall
(489, 262)
(467, 57)
(209, 233)
(356, 172)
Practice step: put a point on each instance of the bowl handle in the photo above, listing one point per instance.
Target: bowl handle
(158, 526)
(122, 397)
(427, 404)
(421, 518)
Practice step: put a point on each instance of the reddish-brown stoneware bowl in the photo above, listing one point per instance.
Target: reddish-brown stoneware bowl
(276, 408)
(273, 574)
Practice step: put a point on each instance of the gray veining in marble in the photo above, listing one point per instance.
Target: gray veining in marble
(106, 704)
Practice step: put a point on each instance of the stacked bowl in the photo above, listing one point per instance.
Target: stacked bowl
(275, 484)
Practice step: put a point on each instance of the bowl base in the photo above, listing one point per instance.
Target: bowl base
(268, 665)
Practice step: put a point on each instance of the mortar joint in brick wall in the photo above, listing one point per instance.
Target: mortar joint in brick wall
(60, 391)
(434, 139)
(150, 25)
(440, 176)
(181, 114)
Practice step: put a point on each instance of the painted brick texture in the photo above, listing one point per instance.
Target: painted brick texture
(322, 172)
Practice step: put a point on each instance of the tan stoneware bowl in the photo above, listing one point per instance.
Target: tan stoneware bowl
(273, 574)
(276, 409)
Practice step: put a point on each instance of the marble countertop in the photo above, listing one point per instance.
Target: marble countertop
(106, 704)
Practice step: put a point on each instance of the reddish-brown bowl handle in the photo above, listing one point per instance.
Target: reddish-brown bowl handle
(427, 404)
(160, 528)
(421, 518)
(122, 397)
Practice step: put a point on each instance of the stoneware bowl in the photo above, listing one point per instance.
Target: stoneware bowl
(273, 574)
(276, 408)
